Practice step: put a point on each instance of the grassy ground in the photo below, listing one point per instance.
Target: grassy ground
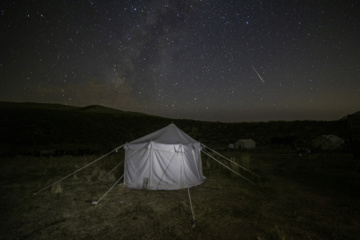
(315, 197)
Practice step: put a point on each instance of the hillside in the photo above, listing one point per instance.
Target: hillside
(29, 127)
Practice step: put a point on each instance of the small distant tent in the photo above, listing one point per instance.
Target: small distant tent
(231, 146)
(327, 142)
(167, 159)
(245, 144)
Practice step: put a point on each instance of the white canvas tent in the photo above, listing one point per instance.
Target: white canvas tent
(167, 159)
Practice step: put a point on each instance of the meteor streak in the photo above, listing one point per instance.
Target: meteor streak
(258, 74)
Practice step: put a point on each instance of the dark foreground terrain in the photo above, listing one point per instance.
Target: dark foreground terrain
(316, 197)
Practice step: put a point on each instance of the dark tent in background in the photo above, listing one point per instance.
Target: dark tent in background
(245, 144)
(327, 142)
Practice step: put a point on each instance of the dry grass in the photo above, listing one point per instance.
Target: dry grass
(314, 199)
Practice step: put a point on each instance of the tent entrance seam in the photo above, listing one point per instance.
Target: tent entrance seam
(163, 173)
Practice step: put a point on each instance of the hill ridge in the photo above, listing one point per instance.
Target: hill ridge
(28, 126)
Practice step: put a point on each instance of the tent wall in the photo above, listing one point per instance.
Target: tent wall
(162, 166)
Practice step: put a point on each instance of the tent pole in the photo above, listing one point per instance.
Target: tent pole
(69, 175)
(192, 211)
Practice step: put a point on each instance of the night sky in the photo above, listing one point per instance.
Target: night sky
(214, 60)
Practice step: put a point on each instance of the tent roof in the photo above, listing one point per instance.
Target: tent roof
(170, 134)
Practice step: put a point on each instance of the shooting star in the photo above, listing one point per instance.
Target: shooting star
(258, 74)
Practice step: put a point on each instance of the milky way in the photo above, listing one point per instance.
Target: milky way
(206, 60)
